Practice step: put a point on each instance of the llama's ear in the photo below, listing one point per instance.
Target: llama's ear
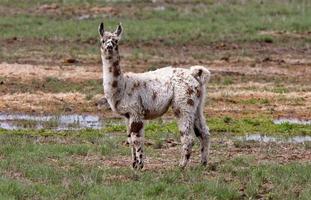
(119, 30)
(101, 29)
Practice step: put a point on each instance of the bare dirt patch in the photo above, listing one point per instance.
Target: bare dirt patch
(29, 72)
(236, 87)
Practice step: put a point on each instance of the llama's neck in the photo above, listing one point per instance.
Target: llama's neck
(113, 80)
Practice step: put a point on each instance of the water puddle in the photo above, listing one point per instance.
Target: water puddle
(292, 121)
(61, 122)
(265, 138)
(77, 122)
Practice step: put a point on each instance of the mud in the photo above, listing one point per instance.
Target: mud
(56, 122)
(292, 121)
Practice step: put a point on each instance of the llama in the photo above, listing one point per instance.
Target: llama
(143, 96)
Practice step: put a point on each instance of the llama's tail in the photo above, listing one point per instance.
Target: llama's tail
(200, 73)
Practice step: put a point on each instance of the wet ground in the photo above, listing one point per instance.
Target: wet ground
(60, 122)
(57, 143)
(79, 122)
(265, 138)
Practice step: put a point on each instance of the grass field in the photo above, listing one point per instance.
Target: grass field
(95, 166)
(259, 53)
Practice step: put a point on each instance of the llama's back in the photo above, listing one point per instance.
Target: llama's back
(200, 73)
(161, 73)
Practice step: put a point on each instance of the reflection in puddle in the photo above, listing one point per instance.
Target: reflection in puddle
(292, 121)
(76, 122)
(265, 138)
(61, 122)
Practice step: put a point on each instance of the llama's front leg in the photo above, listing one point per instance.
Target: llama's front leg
(185, 128)
(136, 128)
(129, 141)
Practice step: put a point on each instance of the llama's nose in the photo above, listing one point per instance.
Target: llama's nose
(109, 47)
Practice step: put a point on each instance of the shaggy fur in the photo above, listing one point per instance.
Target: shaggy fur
(141, 96)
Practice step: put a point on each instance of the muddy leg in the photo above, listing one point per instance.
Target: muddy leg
(136, 130)
(129, 141)
(201, 130)
(185, 126)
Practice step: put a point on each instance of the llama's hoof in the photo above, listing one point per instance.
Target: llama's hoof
(141, 166)
(182, 165)
(204, 163)
(137, 165)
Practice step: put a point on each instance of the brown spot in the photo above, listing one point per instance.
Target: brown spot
(190, 91)
(135, 85)
(181, 133)
(110, 69)
(197, 132)
(154, 95)
(117, 103)
(174, 70)
(190, 102)
(145, 84)
(116, 71)
(146, 112)
(136, 142)
(127, 115)
(115, 84)
(188, 156)
(198, 92)
(177, 112)
(200, 72)
(115, 64)
(136, 127)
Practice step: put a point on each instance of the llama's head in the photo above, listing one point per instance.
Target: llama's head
(109, 41)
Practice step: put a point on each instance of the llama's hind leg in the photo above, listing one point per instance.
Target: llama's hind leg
(136, 134)
(201, 130)
(185, 125)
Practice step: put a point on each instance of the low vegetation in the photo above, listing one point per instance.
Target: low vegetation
(97, 167)
(259, 56)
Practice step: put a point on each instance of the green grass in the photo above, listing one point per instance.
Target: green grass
(256, 101)
(257, 125)
(40, 35)
(211, 22)
(159, 131)
(62, 170)
(46, 164)
(226, 124)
